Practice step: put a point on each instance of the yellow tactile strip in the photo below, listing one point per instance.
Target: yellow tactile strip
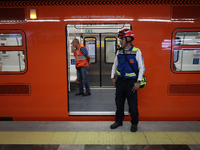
(112, 138)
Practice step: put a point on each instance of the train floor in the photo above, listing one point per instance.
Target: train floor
(97, 135)
(101, 100)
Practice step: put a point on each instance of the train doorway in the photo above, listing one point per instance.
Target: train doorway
(101, 41)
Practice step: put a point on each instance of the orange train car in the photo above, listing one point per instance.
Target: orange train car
(37, 72)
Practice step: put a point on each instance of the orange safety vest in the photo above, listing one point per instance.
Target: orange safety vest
(80, 59)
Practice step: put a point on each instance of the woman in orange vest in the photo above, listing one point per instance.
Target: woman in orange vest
(82, 59)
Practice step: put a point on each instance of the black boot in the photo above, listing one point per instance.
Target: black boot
(115, 125)
(133, 128)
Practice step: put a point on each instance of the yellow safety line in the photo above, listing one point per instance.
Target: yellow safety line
(100, 138)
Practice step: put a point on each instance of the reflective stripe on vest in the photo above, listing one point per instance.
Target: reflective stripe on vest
(79, 58)
(130, 74)
(118, 73)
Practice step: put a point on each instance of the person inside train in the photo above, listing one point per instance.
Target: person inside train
(128, 81)
(21, 55)
(175, 56)
(82, 60)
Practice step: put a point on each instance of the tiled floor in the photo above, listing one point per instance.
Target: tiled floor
(99, 147)
(63, 135)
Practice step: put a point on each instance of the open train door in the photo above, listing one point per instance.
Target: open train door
(101, 41)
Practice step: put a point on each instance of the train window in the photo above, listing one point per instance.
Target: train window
(187, 38)
(110, 49)
(12, 52)
(187, 60)
(186, 50)
(90, 44)
(12, 61)
(11, 39)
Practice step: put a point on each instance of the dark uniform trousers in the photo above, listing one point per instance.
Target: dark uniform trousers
(123, 91)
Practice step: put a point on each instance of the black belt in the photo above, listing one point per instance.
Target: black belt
(120, 78)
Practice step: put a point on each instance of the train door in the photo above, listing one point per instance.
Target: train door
(101, 41)
(102, 49)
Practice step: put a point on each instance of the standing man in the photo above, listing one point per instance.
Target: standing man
(128, 81)
(82, 59)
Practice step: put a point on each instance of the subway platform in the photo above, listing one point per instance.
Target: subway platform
(97, 135)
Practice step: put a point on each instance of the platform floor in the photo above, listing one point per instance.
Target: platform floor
(96, 135)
